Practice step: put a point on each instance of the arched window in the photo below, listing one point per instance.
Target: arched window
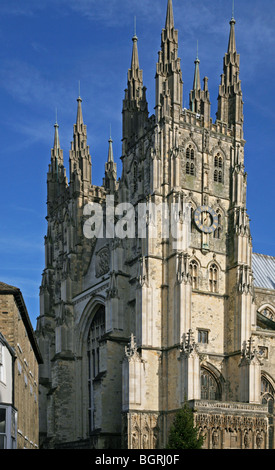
(210, 389)
(213, 278)
(193, 271)
(267, 394)
(217, 232)
(218, 168)
(267, 398)
(96, 331)
(190, 161)
(268, 313)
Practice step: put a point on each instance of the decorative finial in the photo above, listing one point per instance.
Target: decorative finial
(197, 49)
(56, 117)
(110, 133)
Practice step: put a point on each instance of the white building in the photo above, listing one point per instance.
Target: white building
(8, 414)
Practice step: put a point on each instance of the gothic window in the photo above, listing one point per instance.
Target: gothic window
(193, 271)
(190, 161)
(210, 389)
(217, 233)
(213, 278)
(218, 168)
(268, 313)
(97, 330)
(267, 397)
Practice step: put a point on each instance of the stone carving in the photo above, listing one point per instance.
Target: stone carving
(215, 439)
(251, 430)
(131, 351)
(142, 275)
(259, 440)
(188, 345)
(143, 430)
(102, 262)
(247, 440)
(249, 353)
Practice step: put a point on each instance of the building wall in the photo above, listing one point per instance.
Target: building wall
(25, 373)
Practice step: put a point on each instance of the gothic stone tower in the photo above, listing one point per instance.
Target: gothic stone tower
(134, 322)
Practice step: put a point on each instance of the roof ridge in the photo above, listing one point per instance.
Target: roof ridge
(262, 254)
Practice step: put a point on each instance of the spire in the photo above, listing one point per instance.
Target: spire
(197, 81)
(80, 158)
(135, 106)
(230, 101)
(56, 177)
(199, 99)
(169, 24)
(110, 152)
(169, 76)
(56, 144)
(110, 169)
(232, 38)
(135, 61)
(79, 117)
(57, 152)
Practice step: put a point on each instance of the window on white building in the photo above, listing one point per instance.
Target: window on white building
(3, 437)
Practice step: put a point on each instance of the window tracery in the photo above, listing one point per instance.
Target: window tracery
(210, 388)
(190, 161)
(268, 313)
(218, 168)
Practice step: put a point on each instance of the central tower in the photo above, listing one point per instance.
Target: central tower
(164, 310)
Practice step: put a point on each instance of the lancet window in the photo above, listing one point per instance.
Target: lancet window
(218, 231)
(213, 278)
(190, 161)
(194, 271)
(96, 331)
(210, 389)
(218, 168)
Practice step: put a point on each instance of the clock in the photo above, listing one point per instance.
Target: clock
(206, 219)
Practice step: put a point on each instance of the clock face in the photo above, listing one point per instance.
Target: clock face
(206, 219)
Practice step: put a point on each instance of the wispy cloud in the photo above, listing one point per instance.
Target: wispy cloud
(26, 83)
(13, 244)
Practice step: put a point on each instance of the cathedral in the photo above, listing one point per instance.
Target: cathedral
(139, 311)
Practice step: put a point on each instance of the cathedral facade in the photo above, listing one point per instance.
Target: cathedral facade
(151, 293)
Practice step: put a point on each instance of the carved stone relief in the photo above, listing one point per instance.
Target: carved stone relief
(102, 262)
(142, 430)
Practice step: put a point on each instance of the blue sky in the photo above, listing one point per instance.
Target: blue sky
(48, 46)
